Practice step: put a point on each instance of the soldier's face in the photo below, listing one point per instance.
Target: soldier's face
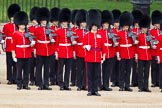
(94, 28)
(116, 25)
(55, 23)
(136, 25)
(144, 30)
(157, 26)
(35, 22)
(21, 27)
(125, 28)
(105, 25)
(64, 24)
(43, 23)
(12, 20)
(83, 25)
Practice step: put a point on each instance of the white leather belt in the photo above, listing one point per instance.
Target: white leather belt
(8, 37)
(43, 42)
(106, 44)
(80, 43)
(144, 47)
(125, 45)
(160, 48)
(66, 44)
(22, 46)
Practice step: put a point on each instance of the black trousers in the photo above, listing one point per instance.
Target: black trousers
(67, 63)
(134, 72)
(81, 73)
(93, 70)
(32, 72)
(74, 71)
(115, 71)
(11, 67)
(53, 69)
(154, 71)
(160, 75)
(23, 67)
(124, 73)
(42, 61)
(107, 67)
(143, 75)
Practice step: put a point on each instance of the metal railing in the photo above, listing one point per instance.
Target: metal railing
(25, 5)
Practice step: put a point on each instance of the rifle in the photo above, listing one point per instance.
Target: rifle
(50, 33)
(72, 35)
(30, 37)
(114, 38)
(2, 35)
(132, 35)
(152, 41)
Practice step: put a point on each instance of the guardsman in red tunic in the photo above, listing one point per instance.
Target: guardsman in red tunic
(74, 61)
(64, 52)
(53, 62)
(8, 30)
(109, 53)
(143, 55)
(159, 56)
(80, 52)
(22, 50)
(115, 29)
(31, 29)
(125, 52)
(93, 45)
(137, 14)
(43, 48)
(156, 18)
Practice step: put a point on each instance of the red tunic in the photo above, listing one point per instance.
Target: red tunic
(21, 45)
(95, 40)
(144, 48)
(8, 30)
(63, 44)
(159, 48)
(80, 52)
(125, 48)
(154, 32)
(109, 50)
(43, 45)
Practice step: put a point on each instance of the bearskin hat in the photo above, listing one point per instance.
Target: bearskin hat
(65, 15)
(12, 10)
(33, 13)
(116, 14)
(80, 16)
(156, 17)
(55, 14)
(43, 14)
(137, 15)
(93, 18)
(107, 16)
(21, 18)
(73, 14)
(145, 21)
(126, 19)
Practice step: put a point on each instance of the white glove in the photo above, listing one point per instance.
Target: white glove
(35, 53)
(32, 43)
(2, 41)
(14, 56)
(74, 42)
(74, 54)
(56, 55)
(52, 41)
(136, 42)
(103, 58)
(158, 59)
(118, 56)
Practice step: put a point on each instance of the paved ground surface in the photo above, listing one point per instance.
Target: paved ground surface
(11, 98)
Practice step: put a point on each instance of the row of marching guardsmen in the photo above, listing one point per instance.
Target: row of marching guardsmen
(82, 42)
